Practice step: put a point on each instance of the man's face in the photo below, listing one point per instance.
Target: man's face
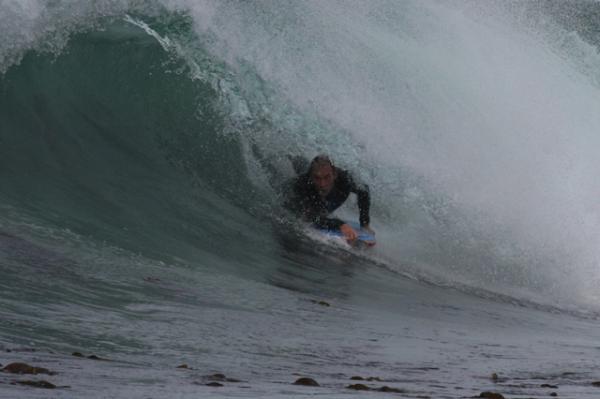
(323, 177)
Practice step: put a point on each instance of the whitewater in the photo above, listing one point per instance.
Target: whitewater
(144, 147)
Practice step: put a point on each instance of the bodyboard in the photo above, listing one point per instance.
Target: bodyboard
(365, 238)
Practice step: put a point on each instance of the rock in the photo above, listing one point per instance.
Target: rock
(23, 368)
(183, 366)
(214, 384)
(37, 384)
(388, 389)
(359, 387)
(220, 377)
(549, 386)
(18, 368)
(307, 382)
(553, 394)
(596, 383)
(92, 357)
(322, 303)
(490, 395)
(494, 377)
(359, 378)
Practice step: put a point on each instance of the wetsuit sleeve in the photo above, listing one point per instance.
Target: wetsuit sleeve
(364, 200)
(328, 223)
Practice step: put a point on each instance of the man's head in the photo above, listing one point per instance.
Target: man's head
(322, 174)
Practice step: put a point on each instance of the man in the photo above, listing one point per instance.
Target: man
(320, 191)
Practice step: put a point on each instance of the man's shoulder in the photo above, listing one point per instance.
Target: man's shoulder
(346, 180)
(343, 177)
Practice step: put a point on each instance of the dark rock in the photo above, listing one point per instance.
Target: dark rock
(183, 366)
(553, 394)
(220, 377)
(23, 368)
(37, 384)
(596, 383)
(359, 387)
(549, 386)
(322, 303)
(359, 378)
(490, 395)
(307, 382)
(214, 384)
(388, 389)
(94, 357)
(494, 377)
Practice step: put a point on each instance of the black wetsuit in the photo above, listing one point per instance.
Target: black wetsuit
(304, 200)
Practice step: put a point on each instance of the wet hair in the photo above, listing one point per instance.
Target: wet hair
(320, 161)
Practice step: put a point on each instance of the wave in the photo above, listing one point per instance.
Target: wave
(166, 129)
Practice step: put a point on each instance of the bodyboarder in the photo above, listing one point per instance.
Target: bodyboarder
(315, 194)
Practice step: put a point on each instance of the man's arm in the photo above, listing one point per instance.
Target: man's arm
(364, 200)
(364, 205)
(323, 222)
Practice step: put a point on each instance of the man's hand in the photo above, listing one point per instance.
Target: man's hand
(348, 232)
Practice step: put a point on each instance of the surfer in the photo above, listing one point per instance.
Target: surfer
(315, 194)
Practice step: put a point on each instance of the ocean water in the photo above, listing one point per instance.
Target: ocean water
(143, 150)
